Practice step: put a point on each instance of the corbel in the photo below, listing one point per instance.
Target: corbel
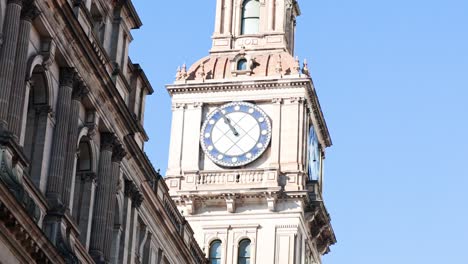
(271, 201)
(230, 203)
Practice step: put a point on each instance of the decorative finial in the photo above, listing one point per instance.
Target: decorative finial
(297, 66)
(183, 72)
(178, 74)
(305, 68)
(202, 73)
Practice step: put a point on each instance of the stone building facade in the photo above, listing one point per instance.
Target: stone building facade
(248, 142)
(75, 183)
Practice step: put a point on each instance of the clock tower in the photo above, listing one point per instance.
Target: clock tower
(248, 142)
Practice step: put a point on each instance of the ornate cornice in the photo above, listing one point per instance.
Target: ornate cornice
(236, 86)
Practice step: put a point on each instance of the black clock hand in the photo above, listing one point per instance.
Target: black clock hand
(228, 122)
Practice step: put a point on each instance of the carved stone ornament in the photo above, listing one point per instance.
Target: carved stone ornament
(297, 66)
(178, 106)
(79, 91)
(129, 188)
(29, 12)
(108, 141)
(202, 73)
(48, 48)
(277, 100)
(16, 2)
(118, 153)
(178, 74)
(67, 76)
(88, 176)
(43, 109)
(137, 199)
(305, 68)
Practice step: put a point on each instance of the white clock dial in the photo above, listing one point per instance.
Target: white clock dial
(236, 134)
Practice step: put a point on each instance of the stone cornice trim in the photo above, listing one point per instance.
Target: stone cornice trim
(236, 86)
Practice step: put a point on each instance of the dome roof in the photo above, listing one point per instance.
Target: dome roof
(225, 66)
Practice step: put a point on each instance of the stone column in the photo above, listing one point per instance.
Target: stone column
(98, 233)
(228, 17)
(18, 87)
(271, 15)
(7, 56)
(57, 162)
(133, 247)
(219, 17)
(79, 92)
(124, 246)
(117, 156)
(84, 205)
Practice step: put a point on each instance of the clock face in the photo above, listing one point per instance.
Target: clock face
(235, 134)
(314, 155)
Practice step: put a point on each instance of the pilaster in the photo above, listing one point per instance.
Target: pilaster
(228, 15)
(86, 181)
(175, 153)
(289, 134)
(117, 155)
(125, 242)
(18, 88)
(98, 234)
(57, 162)
(79, 91)
(7, 56)
(276, 133)
(191, 150)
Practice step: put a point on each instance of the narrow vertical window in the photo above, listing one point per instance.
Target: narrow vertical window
(250, 17)
(215, 252)
(244, 252)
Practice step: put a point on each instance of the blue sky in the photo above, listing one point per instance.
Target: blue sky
(392, 78)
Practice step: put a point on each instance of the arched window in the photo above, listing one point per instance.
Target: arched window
(215, 252)
(38, 124)
(250, 17)
(242, 65)
(244, 252)
(84, 159)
